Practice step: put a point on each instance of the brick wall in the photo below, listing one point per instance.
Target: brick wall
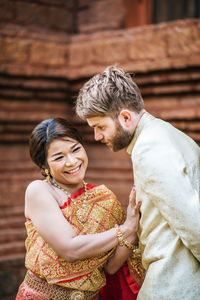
(69, 16)
(39, 15)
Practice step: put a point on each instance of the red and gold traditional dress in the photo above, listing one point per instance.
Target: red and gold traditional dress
(51, 277)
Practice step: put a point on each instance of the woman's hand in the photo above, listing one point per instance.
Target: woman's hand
(133, 213)
(129, 231)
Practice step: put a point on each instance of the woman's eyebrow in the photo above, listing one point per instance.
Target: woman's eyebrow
(74, 145)
(55, 154)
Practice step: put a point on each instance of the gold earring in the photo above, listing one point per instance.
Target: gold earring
(48, 175)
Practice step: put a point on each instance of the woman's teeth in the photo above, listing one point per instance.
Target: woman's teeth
(73, 171)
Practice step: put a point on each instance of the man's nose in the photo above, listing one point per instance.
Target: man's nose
(98, 136)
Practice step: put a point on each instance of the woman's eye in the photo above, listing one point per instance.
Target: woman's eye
(59, 157)
(76, 149)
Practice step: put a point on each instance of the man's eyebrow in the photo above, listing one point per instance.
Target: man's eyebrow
(95, 125)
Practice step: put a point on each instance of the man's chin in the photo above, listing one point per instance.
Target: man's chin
(109, 145)
(113, 148)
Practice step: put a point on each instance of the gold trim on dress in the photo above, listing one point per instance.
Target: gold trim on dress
(55, 292)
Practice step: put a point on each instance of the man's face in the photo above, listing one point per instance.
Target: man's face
(110, 132)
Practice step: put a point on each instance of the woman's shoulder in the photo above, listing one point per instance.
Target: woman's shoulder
(35, 186)
(37, 183)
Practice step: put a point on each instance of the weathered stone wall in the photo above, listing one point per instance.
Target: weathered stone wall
(167, 46)
(71, 16)
(45, 57)
(40, 15)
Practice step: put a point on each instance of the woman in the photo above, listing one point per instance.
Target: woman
(72, 233)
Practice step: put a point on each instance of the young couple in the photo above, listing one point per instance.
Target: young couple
(78, 233)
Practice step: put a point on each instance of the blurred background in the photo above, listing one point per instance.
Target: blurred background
(48, 49)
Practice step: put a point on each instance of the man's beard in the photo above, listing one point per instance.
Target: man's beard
(121, 138)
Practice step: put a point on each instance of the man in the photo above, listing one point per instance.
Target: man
(167, 179)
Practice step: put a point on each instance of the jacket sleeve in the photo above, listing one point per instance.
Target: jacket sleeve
(162, 175)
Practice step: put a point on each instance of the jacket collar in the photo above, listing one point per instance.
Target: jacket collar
(144, 120)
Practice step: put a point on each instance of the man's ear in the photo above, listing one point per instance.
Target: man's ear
(125, 118)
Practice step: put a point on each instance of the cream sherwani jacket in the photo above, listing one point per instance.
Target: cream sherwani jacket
(166, 166)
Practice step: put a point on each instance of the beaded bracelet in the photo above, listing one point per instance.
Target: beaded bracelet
(121, 240)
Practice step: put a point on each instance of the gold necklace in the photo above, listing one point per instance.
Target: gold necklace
(81, 213)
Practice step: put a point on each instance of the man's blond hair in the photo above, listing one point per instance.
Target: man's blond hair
(106, 93)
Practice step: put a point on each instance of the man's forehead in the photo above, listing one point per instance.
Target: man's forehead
(99, 120)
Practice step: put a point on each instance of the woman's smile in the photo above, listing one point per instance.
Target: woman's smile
(74, 171)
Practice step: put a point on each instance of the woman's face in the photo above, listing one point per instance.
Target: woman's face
(68, 161)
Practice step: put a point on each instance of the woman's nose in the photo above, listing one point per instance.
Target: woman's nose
(70, 160)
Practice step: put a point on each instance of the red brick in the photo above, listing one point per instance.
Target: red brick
(33, 83)
(48, 54)
(14, 154)
(14, 234)
(47, 16)
(35, 116)
(34, 105)
(7, 10)
(195, 136)
(7, 248)
(60, 19)
(98, 48)
(80, 54)
(147, 44)
(60, 3)
(110, 51)
(13, 50)
(172, 102)
(166, 89)
(189, 126)
(15, 93)
(98, 16)
(167, 77)
(183, 39)
(84, 3)
(181, 113)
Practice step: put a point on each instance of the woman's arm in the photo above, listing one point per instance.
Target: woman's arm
(122, 252)
(43, 210)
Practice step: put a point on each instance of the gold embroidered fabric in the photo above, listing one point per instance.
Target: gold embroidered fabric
(135, 266)
(52, 291)
(104, 211)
